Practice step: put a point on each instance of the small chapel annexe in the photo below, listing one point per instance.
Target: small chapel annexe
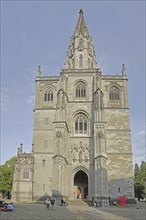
(81, 136)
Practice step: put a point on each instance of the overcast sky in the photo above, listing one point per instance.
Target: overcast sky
(38, 33)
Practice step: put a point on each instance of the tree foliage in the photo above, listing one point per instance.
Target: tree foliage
(6, 175)
(140, 180)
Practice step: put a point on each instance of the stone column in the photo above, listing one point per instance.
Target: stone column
(101, 185)
(100, 163)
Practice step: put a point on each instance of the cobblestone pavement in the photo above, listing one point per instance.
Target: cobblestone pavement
(40, 212)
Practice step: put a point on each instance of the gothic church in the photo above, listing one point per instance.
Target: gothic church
(81, 136)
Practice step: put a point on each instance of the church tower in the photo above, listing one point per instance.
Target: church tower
(81, 136)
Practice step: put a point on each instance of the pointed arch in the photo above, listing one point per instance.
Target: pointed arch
(48, 95)
(80, 124)
(26, 172)
(80, 168)
(80, 90)
(114, 93)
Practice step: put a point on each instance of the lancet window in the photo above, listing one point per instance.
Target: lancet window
(48, 96)
(26, 172)
(114, 93)
(80, 90)
(81, 124)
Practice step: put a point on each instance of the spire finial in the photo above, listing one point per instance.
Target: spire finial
(123, 70)
(21, 145)
(81, 11)
(39, 71)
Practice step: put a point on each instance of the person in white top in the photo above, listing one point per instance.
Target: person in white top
(48, 203)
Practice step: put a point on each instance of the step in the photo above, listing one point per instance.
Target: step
(79, 202)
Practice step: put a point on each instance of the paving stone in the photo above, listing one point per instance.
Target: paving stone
(40, 212)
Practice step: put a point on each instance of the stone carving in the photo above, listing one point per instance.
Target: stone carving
(59, 134)
(123, 70)
(104, 163)
(101, 162)
(59, 142)
(86, 154)
(80, 153)
(100, 139)
(39, 71)
(98, 100)
(98, 163)
(75, 155)
(61, 100)
(59, 160)
(80, 144)
(80, 156)
(99, 134)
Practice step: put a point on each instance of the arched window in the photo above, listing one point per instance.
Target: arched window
(25, 172)
(48, 96)
(80, 90)
(81, 60)
(114, 93)
(80, 124)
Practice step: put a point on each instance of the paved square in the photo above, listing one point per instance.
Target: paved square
(40, 212)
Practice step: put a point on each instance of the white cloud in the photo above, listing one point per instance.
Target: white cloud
(139, 151)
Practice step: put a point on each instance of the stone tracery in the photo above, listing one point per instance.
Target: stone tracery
(80, 153)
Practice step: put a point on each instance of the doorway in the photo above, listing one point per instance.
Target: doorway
(80, 185)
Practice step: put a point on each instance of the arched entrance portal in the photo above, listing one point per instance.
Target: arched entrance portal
(80, 185)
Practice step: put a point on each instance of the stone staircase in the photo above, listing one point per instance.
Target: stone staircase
(79, 202)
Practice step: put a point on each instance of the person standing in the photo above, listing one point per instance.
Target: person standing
(47, 202)
(52, 202)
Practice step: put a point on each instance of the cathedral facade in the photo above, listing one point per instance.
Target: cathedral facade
(81, 137)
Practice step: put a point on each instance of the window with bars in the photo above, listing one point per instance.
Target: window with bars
(48, 96)
(26, 172)
(80, 90)
(81, 124)
(114, 93)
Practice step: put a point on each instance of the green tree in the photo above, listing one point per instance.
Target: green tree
(140, 177)
(6, 175)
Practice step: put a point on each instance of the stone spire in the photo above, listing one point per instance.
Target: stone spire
(81, 53)
(81, 28)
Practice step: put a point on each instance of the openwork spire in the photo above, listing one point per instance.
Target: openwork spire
(81, 28)
(81, 53)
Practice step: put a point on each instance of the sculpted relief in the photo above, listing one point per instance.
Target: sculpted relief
(80, 153)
